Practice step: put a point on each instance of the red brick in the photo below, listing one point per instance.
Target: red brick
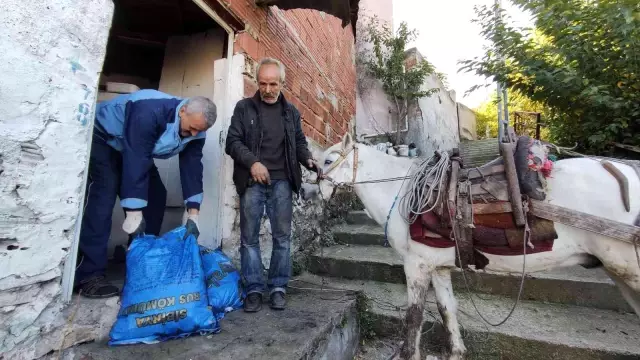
(319, 137)
(334, 112)
(318, 123)
(322, 39)
(304, 95)
(295, 87)
(287, 93)
(289, 82)
(308, 114)
(247, 44)
(335, 126)
(326, 116)
(307, 129)
(316, 107)
(294, 101)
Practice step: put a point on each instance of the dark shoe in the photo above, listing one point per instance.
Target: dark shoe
(253, 303)
(278, 302)
(97, 287)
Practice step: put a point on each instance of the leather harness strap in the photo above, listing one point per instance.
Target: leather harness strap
(342, 158)
(636, 168)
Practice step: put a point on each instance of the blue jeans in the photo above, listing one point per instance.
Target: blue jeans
(277, 200)
(103, 186)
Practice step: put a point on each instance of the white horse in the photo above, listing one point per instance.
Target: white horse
(581, 184)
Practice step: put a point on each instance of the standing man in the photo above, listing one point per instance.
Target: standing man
(267, 145)
(129, 132)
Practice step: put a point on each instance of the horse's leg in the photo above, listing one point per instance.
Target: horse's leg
(448, 308)
(633, 299)
(418, 278)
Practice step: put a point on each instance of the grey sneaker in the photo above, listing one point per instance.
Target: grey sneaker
(278, 302)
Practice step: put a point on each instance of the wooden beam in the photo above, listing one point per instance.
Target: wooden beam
(223, 10)
(628, 147)
(584, 221)
(453, 183)
(140, 38)
(507, 149)
(492, 208)
(622, 182)
(475, 173)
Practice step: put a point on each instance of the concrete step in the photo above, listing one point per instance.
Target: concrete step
(536, 331)
(384, 348)
(364, 234)
(311, 327)
(572, 286)
(360, 217)
(479, 152)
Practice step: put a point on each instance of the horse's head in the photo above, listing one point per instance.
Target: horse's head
(337, 165)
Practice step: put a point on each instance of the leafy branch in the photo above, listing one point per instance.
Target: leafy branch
(387, 63)
(582, 62)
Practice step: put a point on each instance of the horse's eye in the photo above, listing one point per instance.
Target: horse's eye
(327, 162)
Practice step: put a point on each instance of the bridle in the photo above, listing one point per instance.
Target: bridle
(339, 161)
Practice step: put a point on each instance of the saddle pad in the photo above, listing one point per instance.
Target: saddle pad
(503, 240)
(498, 221)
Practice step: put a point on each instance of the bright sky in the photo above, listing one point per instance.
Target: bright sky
(446, 35)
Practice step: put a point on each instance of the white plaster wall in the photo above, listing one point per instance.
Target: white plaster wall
(372, 104)
(467, 121)
(434, 126)
(51, 54)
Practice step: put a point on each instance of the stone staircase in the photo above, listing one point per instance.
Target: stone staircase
(570, 313)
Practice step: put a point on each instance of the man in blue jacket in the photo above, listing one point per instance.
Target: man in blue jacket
(129, 132)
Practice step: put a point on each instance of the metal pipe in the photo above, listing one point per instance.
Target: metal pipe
(505, 99)
(500, 123)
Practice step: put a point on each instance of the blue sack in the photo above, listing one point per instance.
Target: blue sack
(164, 295)
(224, 287)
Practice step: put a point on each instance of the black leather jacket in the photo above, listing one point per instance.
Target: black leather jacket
(245, 137)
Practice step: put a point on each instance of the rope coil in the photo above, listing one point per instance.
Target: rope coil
(423, 193)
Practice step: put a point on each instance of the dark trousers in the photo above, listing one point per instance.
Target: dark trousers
(103, 187)
(277, 200)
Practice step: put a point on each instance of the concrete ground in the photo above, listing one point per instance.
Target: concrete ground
(384, 349)
(315, 325)
(536, 330)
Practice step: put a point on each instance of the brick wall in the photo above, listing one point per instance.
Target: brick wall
(318, 55)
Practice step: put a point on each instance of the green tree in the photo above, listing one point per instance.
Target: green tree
(386, 63)
(582, 62)
(487, 116)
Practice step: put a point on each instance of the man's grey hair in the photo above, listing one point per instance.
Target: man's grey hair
(204, 106)
(271, 61)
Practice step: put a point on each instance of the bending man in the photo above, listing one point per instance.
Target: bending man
(129, 132)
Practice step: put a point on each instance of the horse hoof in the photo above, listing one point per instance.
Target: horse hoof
(457, 355)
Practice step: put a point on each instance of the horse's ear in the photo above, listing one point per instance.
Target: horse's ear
(347, 141)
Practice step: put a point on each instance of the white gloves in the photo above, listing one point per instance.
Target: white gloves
(186, 216)
(133, 222)
(190, 221)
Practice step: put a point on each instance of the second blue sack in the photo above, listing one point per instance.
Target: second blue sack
(224, 285)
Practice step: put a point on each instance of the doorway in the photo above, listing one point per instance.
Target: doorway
(180, 47)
